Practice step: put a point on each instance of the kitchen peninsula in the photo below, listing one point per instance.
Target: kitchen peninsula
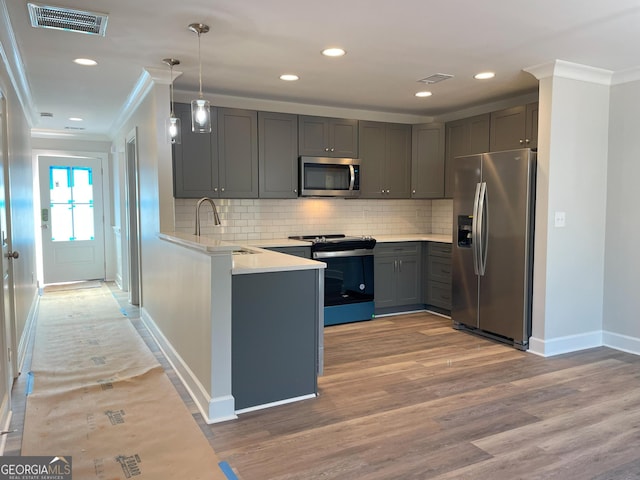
(242, 326)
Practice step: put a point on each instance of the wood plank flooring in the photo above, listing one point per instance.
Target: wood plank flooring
(408, 397)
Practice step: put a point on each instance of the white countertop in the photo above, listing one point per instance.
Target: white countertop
(264, 261)
(204, 243)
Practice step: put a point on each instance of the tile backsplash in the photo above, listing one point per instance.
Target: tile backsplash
(261, 219)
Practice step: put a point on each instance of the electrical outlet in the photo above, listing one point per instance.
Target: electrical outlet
(560, 220)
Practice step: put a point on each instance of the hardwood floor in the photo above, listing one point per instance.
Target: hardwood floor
(408, 397)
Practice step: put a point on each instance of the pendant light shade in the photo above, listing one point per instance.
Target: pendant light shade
(173, 127)
(200, 108)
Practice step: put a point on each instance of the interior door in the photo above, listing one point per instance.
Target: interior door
(6, 331)
(72, 219)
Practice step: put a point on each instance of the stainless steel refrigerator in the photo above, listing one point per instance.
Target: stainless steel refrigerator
(492, 260)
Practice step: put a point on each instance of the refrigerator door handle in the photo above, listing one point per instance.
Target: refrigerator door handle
(483, 222)
(475, 226)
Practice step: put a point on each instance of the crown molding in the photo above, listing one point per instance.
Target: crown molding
(14, 66)
(573, 71)
(626, 76)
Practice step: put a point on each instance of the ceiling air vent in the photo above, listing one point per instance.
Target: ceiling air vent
(46, 114)
(59, 18)
(435, 78)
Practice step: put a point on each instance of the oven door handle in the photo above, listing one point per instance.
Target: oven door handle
(359, 252)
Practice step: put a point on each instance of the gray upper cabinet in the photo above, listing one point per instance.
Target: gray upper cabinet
(427, 161)
(278, 155)
(222, 164)
(467, 136)
(195, 160)
(515, 127)
(385, 153)
(237, 153)
(327, 137)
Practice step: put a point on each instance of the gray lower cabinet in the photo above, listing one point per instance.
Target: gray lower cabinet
(274, 336)
(438, 293)
(327, 137)
(385, 153)
(427, 161)
(304, 252)
(222, 164)
(397, 276)
(278, 155)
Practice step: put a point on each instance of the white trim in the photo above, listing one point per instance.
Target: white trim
(26, 333)
(213, 410)
(573, 71)
(5, 428)
(626, 76)
(621, 342)
(560, 345)
(275, 404)
(14, 65)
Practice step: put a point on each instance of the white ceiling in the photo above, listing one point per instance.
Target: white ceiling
(390, 46)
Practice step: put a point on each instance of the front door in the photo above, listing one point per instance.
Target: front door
(72, 219)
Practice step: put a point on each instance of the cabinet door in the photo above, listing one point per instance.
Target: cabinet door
(427, 162)
(397, 162)
(238, 153)
(408, 285)
(384, 280)
(479, 129)
(372, 156)
(277, 155)
(507, 129)
(195, 165)
(343, 138)
(457, 144)
(313, 136)
(531, 127)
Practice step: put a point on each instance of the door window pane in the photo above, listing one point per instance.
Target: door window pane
(71, 203)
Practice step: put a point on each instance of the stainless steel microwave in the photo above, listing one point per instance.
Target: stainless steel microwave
(329, 177)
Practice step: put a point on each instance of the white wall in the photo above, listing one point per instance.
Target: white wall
(572, 178)
(622, 266)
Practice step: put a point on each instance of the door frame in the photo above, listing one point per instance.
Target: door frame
(132, 210)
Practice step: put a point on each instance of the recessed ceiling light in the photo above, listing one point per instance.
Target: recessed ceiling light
(289, 77)
(484, 75)
(333, 52)
(87, 62)
(75, 119)
(423, 94)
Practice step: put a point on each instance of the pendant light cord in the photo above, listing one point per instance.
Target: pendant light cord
(200, 63)
(171, 88)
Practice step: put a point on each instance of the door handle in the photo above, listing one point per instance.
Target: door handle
(475, 226)
(14, 254)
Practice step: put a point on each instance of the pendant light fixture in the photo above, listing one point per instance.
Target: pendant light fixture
(172, 125)
(200, 108)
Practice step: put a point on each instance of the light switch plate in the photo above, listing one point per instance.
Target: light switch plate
(560, 220)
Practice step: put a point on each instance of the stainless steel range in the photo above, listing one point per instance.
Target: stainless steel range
(348, 278)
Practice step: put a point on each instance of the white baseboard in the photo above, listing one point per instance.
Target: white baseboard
(624, 343)
(26, 333)
(560, 345)
(5, 428)
(214, 410)
(276, 404)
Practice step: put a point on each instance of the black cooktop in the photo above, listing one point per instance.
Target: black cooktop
(336, 241)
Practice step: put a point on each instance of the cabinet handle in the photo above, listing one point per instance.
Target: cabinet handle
(295, 190)
(333, 149)
(413, 192)
(387, 191)
(400, 266)
(222, 189)
(395, 265)
(382, 191)
(521, 141)
(326, 149)
(527, 141)
(215, 189)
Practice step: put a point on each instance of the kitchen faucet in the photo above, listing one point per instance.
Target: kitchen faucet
(216, 218)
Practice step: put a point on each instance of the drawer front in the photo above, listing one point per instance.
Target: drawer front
(440, 249)
(440, 269)
(439, 295)
(397, 248)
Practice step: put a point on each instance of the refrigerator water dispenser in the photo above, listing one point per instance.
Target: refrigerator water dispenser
(465, 223)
